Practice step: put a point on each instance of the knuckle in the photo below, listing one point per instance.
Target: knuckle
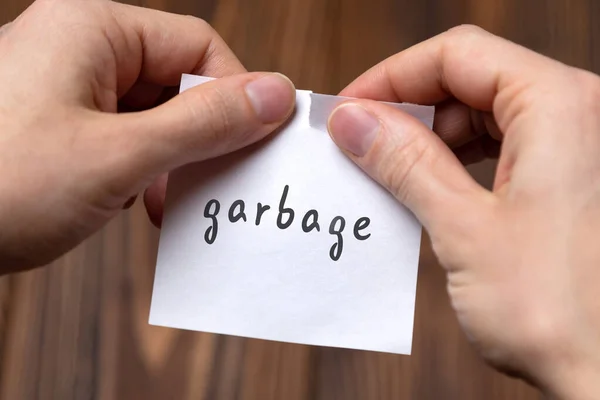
(401, 163)
(198, 23)
(467, 31)
(212, 114)
(221, 111)
(70, 10)
(205, 31)
(465, 42)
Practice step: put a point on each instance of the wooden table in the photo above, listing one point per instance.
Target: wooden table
(78, 329)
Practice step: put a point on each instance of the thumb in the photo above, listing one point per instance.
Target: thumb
(409, 160)
(204, 122)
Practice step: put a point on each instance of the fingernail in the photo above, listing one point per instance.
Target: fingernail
(272, 97)
(353, 128)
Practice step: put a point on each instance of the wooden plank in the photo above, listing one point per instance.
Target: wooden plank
(78, 329)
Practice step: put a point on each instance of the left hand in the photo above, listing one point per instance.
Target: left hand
(69, 162)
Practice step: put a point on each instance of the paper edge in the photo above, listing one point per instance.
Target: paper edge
(189, 81)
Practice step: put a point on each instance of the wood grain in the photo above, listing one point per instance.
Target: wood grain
(78, 328)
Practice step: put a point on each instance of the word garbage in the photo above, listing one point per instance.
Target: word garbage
(310, 221)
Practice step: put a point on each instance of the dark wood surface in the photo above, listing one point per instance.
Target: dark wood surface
(78, 329)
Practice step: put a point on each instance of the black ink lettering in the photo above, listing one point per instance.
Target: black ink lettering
(260, 210)
(361, 223)
(240, 215)
(283, 210)
(211, 233)
(314, 224)
(336, 250)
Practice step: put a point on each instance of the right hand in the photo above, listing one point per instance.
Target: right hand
(522, 260)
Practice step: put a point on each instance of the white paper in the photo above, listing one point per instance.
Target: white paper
(282, 284)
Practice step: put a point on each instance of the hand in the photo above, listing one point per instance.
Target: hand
(522, 261)
(69, 162)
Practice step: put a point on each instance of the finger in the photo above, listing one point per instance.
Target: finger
(457, 124)
(466, 63)
(409, 160)
(478, 150)
(160, 46)
(154, 200)
(206, 121)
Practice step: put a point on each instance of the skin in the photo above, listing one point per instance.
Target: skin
(521, 259)
(70, 162)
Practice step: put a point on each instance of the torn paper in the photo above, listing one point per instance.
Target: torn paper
(288, 240)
